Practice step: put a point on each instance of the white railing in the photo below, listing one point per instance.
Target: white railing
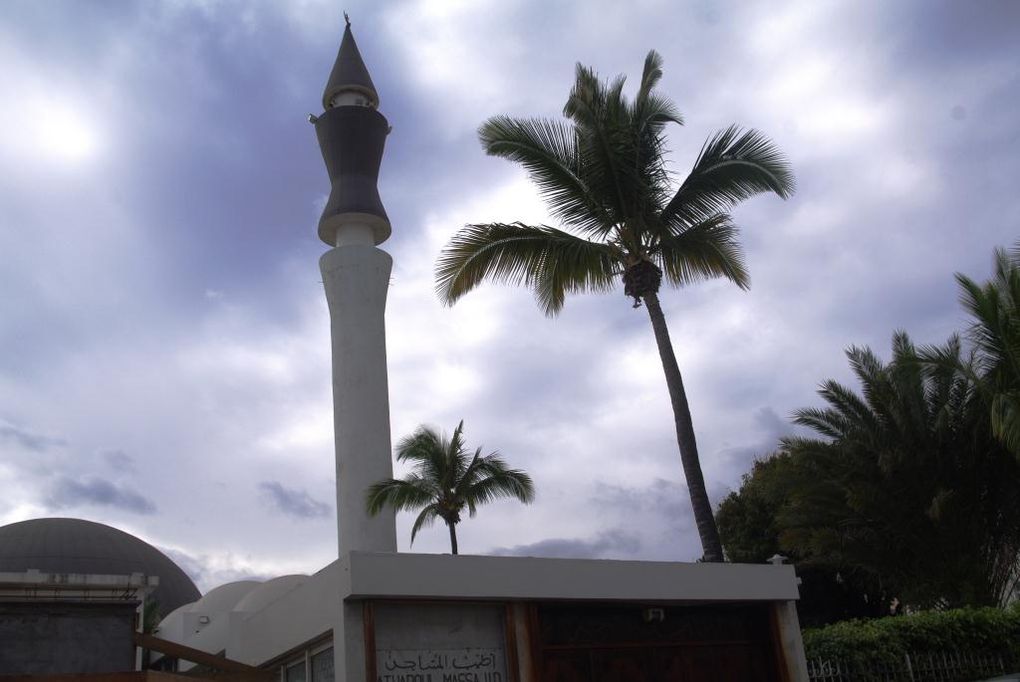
(947, 666)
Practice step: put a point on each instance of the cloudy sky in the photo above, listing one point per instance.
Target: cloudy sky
(164, 338)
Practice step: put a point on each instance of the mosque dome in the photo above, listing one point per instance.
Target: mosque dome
(268, 592)
(77, 546)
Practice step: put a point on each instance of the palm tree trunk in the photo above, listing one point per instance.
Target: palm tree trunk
(710, 543)
(453, 536)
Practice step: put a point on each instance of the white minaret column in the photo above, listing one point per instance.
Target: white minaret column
(356, 276)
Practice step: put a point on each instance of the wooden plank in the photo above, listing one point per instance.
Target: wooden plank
(510, 637)
(188, 653)
(368, 620)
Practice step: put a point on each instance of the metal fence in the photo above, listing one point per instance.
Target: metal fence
(947, 666)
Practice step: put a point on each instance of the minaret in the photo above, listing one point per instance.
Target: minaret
(356, 275)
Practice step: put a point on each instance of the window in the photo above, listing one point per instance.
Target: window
(313, 665)
(322, 666)
(295, 672)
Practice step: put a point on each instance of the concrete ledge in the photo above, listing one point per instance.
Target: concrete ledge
(442, 576)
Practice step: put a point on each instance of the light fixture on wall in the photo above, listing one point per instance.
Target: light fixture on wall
(654, 615)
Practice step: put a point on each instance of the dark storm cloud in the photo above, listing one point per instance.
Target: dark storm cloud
(611, 543)
(68, 493)
(29, 439)
(294, 502)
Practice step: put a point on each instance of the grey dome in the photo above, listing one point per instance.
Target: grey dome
(78, 546)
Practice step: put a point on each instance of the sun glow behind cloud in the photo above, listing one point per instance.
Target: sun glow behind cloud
(64, 134)
(37, 126)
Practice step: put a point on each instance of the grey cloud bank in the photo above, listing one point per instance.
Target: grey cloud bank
(68, 493)
(297, 503)
(29, 440)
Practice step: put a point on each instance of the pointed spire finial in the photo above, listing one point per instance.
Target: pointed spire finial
(349, 72)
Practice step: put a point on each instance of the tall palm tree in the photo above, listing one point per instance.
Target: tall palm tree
(445, 479)
(603, 174)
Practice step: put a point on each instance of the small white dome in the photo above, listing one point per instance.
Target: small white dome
(270, 591)
(223, 598)
(172, 625)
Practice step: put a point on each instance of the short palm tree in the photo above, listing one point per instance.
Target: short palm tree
(604, 176)
(445, 479)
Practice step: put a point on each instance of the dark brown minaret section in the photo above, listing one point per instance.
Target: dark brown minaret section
(352, 134)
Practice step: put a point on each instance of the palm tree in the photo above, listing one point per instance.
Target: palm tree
(604, 176)
(445, 479)
(904, 485)
(995, 338)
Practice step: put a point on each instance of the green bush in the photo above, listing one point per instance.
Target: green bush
(977, 630)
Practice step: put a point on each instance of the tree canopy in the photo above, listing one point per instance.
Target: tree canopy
(909, 491)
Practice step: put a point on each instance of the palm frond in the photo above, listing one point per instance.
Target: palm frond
(425, 519)
(606, 147)
(649, 108)
(402, 494)
(425, 449)
(651, 74)
(587, 99)
(855, 413)
(548, 152)
(648, 121)
(498, 481)
(734, 165)
(829, 423)
(704, 250)
(550, 262)
(456, 459)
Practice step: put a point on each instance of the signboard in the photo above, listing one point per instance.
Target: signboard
(453, 642)
(441, 665)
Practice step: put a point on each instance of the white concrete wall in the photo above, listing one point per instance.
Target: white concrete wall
(444, 576)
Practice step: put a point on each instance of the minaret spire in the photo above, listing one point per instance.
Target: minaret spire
(352, 134)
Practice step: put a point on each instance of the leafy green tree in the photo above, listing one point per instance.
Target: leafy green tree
(749, 526)
(904, 491)
(445, 479)
(604, 176)
(747, 517)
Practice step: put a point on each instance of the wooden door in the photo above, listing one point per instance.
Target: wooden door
(613, 643)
